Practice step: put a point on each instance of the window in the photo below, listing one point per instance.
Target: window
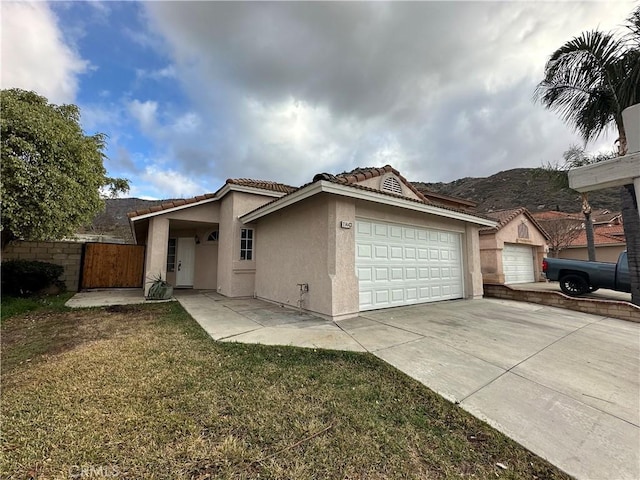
(213, 236)
(171, 255)
(246, 244)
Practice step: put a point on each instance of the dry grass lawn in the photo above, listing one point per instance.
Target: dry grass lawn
(142, 392)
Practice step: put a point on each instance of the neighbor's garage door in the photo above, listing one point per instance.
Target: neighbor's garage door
(517, 263)
(402, 265)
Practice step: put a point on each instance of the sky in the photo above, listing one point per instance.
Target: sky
(193, 93)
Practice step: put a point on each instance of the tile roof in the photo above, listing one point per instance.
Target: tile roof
(350, 179)
(505, 216)
(359, 174)
(598, 239)
(613, 230)
(262, 184)
(447, 198)
(171, 204)
(555, 215)
(245, 182)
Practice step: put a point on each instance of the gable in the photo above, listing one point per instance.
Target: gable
(388, 183)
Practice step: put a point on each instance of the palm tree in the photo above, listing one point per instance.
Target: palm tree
(589, 81)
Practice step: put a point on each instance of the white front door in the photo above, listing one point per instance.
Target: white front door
(403, 265)
(517, 263)
(185, 260)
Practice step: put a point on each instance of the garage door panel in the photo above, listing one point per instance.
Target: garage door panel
(406, 265)
(363, 251)
(381, 230)
(380, 252)
(517, 263)
(397, 295)
(381, 296)
(364, 274)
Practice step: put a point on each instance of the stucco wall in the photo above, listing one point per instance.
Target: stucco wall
(492, 244)
(67, 254)
(603, 253)
(236, 278)
(293, 248)
(207, 212)
(342, 255)
(156, 254)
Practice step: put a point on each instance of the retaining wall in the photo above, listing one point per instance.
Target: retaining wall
(606, 308)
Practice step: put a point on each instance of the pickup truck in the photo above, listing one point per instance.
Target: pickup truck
(578, 277)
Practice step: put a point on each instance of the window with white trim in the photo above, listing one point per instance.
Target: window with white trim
(213, 236)
(171, 255)
(246, 244)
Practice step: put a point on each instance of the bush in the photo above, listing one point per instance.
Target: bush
(26, 277)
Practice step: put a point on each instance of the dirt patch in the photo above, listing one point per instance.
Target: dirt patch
(26, 338)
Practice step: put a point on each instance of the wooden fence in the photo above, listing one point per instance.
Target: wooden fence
(111, 265)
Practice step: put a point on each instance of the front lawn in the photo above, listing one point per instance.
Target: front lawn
(143, 392)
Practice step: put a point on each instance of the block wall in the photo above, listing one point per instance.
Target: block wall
(67, 254)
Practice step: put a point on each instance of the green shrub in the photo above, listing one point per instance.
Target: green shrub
(26, 277)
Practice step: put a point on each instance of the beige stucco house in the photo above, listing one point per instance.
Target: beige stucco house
(512, 252)
(335, 246)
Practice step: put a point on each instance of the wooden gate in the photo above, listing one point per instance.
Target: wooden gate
(112, 265)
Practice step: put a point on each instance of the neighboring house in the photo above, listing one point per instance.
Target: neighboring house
(512, 252)
(608, 235)
(336, 246)
(448, 201)
(608, 247)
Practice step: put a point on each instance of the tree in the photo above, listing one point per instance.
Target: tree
(589, 81)
(562, 232)
(51, 172)
(558, 175)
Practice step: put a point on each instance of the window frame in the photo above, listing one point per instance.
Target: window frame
(247, 243)
(171, 265)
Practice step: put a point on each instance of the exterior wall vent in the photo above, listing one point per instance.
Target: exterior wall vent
(392, 185)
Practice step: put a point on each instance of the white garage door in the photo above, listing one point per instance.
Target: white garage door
(517, 263)
(402, 265)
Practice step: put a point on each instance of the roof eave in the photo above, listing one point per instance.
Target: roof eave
(218, 196)
(346, 191)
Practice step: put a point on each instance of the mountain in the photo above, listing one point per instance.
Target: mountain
(509, 189)
(520, 187)
(113, 221)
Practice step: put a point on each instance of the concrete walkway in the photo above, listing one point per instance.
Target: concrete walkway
(564, 384)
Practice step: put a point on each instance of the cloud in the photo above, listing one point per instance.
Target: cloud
(145, 113)
(35, 55)
(438, 89)
(166, 183)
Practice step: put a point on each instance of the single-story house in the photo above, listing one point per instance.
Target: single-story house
(607, 240)
(512, 252)
(608, 235)
(336, 246)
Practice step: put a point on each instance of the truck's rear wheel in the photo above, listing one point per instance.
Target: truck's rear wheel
(574, 285)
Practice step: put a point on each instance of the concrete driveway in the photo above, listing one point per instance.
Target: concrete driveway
(564, 384)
